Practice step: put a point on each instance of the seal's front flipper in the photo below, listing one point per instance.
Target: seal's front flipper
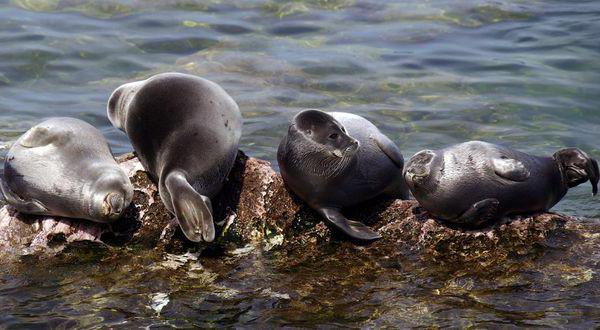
(31, 207)
(510, 169)
(390, 149)
(193, 211)
(480, 212)
(354, 229)
(41, 135)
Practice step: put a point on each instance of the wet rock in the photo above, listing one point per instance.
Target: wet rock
(255, 208)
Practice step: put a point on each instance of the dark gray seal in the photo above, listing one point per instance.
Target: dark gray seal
(64, 167)
(335, 160)
(475, 183)
(185, 131)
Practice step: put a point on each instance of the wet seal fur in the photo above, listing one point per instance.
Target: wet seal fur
(185, 131)
(476, 183)
(64, 167)
(335, 160)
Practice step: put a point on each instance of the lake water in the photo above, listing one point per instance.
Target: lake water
(525, 74)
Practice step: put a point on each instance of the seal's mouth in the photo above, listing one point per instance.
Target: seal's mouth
(109, 195)
(347, 151)
(113, 205)
(576, 175)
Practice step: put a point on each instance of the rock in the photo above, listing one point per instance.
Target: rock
(256, 208)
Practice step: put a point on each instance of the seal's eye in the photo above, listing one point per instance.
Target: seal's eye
(333, 136)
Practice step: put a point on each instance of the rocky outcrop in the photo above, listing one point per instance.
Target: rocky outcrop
(256, 208)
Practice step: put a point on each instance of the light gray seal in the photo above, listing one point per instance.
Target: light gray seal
(64, 167)
(335, 160)
(185, 131)
(475, 183)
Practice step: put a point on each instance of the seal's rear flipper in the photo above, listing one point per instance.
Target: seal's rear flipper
(354, 229)
(193, 211)
(480, 212)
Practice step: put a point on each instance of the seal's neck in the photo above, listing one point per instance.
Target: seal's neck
(564, 182)
(562, 186)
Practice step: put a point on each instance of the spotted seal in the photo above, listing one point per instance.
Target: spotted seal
(185, 131)
(335, 160)
(64, 167)
(475, 183)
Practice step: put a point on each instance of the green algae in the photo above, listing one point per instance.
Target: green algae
(37, 5)
(284, 9)
(99, 9)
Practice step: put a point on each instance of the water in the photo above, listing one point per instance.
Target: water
(525, 74)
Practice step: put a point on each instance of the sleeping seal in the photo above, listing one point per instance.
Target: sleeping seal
(475, 183)
(334, 160)
(185, 131)
(64, 167)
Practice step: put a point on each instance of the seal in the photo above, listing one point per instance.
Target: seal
(64, 167)
(335, 160)
(185, 131)
(476, 183)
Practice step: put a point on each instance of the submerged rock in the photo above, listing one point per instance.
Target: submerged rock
(255, 208)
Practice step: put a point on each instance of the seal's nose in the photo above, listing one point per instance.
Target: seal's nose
(114, 203)
(418, 167)
(353, 146)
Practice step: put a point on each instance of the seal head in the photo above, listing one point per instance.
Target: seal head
(109, 195)
(423, 171)
(119, 102)
(325, 133)
(577, 167)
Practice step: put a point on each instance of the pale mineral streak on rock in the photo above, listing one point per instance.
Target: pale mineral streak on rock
(255, 207)
(24, 234)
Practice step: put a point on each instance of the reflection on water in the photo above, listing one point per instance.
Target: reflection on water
(521, 73)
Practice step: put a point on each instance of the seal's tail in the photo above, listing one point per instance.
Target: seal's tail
(193, 210)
